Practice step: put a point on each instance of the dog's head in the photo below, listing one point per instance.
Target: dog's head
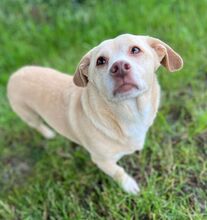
(124, 67)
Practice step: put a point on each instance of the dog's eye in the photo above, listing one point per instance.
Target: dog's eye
(135, 50)
(100, 61)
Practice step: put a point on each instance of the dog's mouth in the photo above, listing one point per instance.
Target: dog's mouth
(124, 88)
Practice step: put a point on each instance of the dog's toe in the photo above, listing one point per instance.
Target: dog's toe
(130, 186)
(46, 132)
(50, 134)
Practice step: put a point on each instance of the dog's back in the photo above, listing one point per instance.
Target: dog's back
(36, 92)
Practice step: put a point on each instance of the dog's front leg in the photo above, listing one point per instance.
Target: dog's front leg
(111, 168)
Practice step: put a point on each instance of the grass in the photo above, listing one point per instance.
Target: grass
(55, 179)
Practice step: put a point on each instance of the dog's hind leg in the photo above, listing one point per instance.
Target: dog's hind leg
(29, 116)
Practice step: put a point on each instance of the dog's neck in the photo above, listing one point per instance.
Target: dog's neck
(112, 117)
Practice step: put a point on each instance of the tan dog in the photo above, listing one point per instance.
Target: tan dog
(108, 105)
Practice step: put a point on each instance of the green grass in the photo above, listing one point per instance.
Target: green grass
(42, 179)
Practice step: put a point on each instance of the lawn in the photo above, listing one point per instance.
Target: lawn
(56, 179)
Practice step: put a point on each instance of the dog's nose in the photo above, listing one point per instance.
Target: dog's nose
(120, 69)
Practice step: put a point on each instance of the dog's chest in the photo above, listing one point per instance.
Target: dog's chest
(134, 131)
(132, 141)
(135, 134)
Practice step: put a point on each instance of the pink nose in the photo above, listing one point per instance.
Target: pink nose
(120, 69)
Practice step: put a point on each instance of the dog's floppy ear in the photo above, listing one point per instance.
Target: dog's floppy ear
(171, 60)
(81, 74)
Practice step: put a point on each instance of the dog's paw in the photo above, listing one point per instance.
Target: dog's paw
(47, 132)
(130, 186)
(50, 134)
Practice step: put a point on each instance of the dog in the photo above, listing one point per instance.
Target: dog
(107, 107)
